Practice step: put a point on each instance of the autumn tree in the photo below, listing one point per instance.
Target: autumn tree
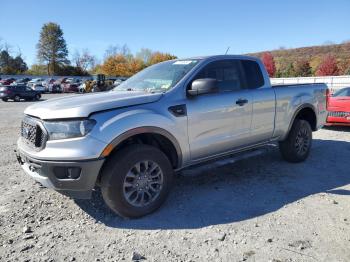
(344, 67)
(52, 48)
(115, 65)
(328, 67)
(284, 68)
(128, 65)
(302, 67)
(135, 65)
(158, 57)
(269, 63)
(315, 62)
(290, 71)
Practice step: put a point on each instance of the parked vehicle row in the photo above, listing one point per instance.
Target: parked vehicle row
(66, 84)
(42, 85)
(35, 81)
(21, 81)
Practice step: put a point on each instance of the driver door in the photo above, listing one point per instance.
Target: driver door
(220, 122)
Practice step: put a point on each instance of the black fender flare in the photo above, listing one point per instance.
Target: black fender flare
(148, 129)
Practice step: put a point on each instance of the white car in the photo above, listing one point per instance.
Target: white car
(82, 88)
(38, 87)
(35, 81)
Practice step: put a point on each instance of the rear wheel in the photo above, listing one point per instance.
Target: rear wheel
(4, 99)
(17, 98)
(136, 180)
(296, 147)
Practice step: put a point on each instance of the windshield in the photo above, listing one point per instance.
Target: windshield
(159, 77)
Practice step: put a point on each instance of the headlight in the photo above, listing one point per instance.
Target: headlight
(68, 129)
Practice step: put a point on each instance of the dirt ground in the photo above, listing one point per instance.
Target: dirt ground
(258, 209)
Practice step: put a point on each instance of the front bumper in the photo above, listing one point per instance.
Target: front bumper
(3, 95)
(51, 174)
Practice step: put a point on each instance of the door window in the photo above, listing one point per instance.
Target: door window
(228, 73)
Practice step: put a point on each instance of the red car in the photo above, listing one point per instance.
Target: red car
(7, 81)
(71, 85)
(338, 107)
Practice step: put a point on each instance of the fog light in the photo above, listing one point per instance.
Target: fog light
(73, 172)
(67, 172)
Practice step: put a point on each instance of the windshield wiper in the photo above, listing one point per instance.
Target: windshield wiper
(127, 89)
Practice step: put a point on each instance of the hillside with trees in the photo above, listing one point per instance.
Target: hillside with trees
(308, 61)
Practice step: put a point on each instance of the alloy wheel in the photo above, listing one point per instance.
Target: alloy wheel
(143, 183)
(302, 141)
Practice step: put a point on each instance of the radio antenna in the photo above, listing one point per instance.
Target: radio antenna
(228, 48)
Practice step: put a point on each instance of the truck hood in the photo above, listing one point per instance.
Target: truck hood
(76, 106)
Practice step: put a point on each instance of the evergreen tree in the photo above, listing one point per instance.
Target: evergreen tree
(52, 48)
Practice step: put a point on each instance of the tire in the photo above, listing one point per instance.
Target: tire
(296, 147)
(4, 99)
(37, 97)
(121, 183)
(17, 98)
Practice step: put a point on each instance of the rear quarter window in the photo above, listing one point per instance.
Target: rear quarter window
(253, 74)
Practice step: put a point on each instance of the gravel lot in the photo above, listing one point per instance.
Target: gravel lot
(259, 209)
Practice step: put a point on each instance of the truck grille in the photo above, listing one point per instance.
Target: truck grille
(33, 133)
(338, 114)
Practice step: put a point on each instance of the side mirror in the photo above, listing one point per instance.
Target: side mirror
(203, 86)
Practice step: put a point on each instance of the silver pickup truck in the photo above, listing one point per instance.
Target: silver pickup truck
(170, 116)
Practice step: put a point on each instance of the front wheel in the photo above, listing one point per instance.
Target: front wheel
(37, 97)
(17, 98)
(296, 147)
(136, 180)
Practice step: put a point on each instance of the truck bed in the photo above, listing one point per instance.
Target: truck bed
(290, 98)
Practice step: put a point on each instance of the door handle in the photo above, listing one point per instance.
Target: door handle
(241, 102)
